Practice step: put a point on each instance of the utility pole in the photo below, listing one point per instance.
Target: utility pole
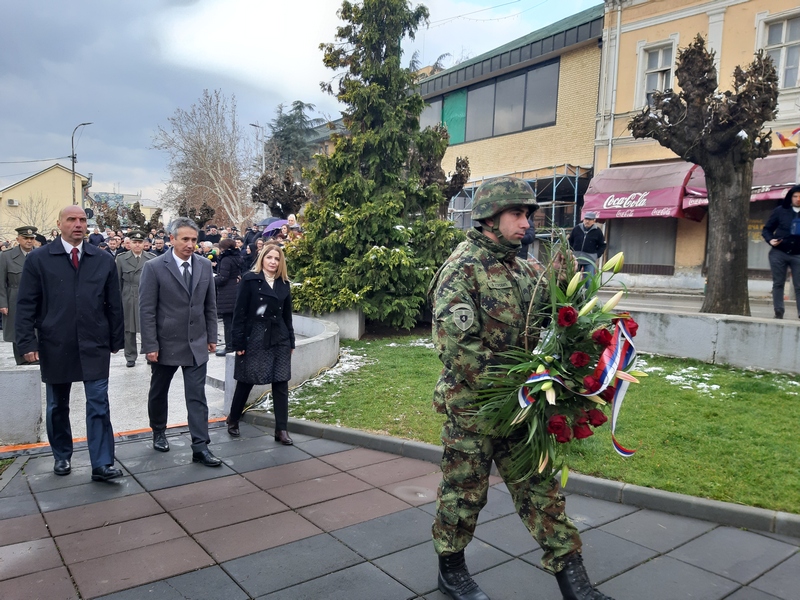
(74, 201)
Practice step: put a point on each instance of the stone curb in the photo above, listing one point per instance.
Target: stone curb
(725, 513)
(12, 469)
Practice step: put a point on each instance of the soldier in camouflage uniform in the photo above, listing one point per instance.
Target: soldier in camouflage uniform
(480, 299)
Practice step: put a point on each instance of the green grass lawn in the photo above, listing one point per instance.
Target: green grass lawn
(703, 430)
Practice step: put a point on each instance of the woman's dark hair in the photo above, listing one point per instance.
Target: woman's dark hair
(226, 244)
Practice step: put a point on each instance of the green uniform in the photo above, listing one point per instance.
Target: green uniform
(480, 301)
(129, 271)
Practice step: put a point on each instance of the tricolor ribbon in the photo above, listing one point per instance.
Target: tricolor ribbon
(617, 356)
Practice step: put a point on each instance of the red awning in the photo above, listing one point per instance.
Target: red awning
(772, 178)
(652, 190)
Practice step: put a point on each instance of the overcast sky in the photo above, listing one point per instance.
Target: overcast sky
(127, 65)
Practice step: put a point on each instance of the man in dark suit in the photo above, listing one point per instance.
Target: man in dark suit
(11, 263)
(178, 320)
(129, 272)
(69, 296)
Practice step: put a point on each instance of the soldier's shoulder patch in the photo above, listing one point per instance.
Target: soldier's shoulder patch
(463, 316)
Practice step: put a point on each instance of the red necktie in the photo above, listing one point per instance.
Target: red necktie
(75, 258)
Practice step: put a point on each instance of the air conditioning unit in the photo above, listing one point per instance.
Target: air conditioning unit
(12, 202)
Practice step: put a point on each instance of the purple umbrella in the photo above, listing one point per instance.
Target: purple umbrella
(274, 225)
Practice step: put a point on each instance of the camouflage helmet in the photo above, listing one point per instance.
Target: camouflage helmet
(499, 194)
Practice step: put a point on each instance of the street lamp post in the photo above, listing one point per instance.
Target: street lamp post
(263, 148)
(74, 201)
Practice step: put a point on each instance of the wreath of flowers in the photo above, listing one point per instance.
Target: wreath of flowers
(551, 396)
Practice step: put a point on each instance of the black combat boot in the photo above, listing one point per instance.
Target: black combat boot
(455, 580)
(574, 582)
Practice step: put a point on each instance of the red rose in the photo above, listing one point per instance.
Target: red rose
(579, 359)
(602, 337)
(596, 417)
(582, 431)
(567, 316)
(557, 425)
(590, 383)
(632, 326)
(582, 418)
(608, 393)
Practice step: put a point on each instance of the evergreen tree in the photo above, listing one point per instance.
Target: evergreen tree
(374, 239)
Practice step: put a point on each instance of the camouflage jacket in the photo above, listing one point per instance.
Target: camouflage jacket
(480, 299)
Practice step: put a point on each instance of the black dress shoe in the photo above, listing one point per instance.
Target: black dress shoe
(206, 458)
(130, 363)
(233, 429)
(283, 437)
(160, 442)
(62, 467)
(105, 473)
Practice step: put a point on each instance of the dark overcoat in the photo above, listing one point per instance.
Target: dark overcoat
(229, 270)
(76, 314)
(11, 263)
(257, 301)
(176, 322)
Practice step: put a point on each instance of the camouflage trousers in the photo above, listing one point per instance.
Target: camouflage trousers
(462, 494)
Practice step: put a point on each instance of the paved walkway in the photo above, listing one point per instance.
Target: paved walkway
(329, 520)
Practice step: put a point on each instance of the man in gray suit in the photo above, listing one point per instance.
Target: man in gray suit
(11, 262)
(178, 320)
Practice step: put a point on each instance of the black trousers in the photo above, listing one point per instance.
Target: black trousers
(280, 402)
(194, 384)
(227, 326)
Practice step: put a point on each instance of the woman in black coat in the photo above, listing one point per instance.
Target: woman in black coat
(229, 269)
(263, 338)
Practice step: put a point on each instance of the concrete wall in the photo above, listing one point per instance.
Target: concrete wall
(20, 405)
(721, 339)
(350, 323)
(318, 350)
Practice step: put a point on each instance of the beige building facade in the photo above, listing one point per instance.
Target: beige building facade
(641, 39)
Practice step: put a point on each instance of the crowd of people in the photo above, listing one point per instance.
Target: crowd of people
(71, 301)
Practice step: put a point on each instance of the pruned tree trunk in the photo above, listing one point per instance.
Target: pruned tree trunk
(728, 212)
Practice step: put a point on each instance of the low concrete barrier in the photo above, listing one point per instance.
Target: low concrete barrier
(20, 405)
(351, 322)
(748, 342)
(319, 349)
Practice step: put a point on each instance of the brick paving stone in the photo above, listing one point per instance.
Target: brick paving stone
(87, 493)
(783, 581)
(211, 583)
(417, 567)
(236, 446)
(204, 491)
(121, 537)
(271, 570)
(320, 447)
(44, 463)
(349, 510)
(144, 447)
(508, 534)
(358, 457)
(53, 584)
(292, 473)
(498, 504)
(28, 557)
(418, 491)
(280, 455)
(124, 570)
(219, 434)
(18, 486)
(18, 506)
(43, 482)
(588, 512)
(665, 578)
(241, 539)
(319, 489)
(100, 514)
(188, 473)
(518, 579)
(733, 553)
(748, 593)
(153, 460)
(387, 534)
(360, 582)
(22, 529)
(395, 470)
(656, 530)
(227, 511)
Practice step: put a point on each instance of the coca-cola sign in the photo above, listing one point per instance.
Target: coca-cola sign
(622, 214)
(634, 200)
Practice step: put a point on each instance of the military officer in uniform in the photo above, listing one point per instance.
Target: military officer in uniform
(129, 270)
(480, 298)
(11, 262)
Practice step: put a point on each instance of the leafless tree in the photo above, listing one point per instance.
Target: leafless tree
(723, 133)
(211, 160)
(36, 210)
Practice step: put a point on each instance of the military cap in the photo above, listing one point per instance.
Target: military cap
(136, 235)
(27, 231)
(499, 194)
